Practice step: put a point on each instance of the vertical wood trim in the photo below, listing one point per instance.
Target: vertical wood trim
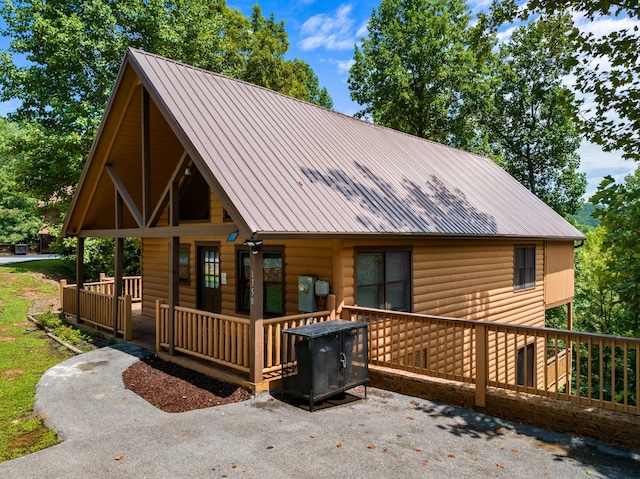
(159, 324)
(174, 288)
(174, 267)
(146, 159)
(117, 267)
(63, 284)
(256, 330)
(337, 267)
(481, 364)
(79, 275)
(117, 282)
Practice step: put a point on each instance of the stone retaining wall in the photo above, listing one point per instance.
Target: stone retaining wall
(589, 422)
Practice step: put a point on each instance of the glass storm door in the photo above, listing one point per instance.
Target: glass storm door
(209, 297)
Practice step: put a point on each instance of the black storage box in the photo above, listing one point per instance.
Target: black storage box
(323, 359)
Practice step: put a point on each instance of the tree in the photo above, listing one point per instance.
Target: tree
(74, 49)
(533, 114)
(19, 219)
(421, 72)
(608, 68)
(618, 207)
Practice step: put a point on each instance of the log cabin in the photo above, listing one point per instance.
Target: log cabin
(256, 206)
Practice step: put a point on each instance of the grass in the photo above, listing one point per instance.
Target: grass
(25, 354)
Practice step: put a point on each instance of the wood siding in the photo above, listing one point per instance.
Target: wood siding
(469, 279)
(559, 273)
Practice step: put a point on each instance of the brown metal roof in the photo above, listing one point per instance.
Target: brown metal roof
(283, 166)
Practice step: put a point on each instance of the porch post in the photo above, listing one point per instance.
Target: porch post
(117, 285)
(570, 316)
(256, 330)
(117, 266)
(79, 274)
(174, 289)
(174, 266)
(481, 364)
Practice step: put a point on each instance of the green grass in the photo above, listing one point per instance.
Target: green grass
(25, 354)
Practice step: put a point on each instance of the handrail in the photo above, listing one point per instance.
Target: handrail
(573, 366)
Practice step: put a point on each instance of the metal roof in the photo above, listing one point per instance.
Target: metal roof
(284, 166)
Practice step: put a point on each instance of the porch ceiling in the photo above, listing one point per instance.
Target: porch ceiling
(125, 157)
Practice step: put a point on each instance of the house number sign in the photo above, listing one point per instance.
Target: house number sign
(252, 288)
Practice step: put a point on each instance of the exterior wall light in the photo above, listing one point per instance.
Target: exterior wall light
(254, 243)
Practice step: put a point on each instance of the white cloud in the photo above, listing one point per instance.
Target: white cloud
(331, 31)
(601, 26)
(344, 65)
(597, 164)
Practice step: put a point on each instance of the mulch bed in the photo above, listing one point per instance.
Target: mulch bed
(174, 388)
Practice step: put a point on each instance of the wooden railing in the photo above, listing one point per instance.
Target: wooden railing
(131, 286)
(212, 337)
(583, 368)
(96, 309)
(224, 339)
(272, 336)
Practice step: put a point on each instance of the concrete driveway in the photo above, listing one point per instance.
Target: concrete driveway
(110, 432)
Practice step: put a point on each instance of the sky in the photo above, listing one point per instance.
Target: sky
(324, 34)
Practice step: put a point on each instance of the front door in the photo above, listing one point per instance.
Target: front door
(209, 298)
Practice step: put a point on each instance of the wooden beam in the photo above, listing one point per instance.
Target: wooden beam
(117, 267)
(174, 266)
(126, 197)
(256, 315)
(163, 231)
(146, 158)
(164, 198)
(79, 274)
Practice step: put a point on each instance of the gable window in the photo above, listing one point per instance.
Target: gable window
(524, 272)
(195, 197)
(383, 279)
(273, 281)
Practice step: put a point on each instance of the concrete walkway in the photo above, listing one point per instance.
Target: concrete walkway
(110, 432)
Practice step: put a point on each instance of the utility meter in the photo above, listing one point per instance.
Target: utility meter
(322, 288)
(307, 294)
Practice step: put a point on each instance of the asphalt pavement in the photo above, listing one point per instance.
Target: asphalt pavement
(25, 258)
(110, 432)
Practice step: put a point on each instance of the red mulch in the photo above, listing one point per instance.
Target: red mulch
(174, 388)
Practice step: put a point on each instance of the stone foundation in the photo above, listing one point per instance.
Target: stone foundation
(602, 425)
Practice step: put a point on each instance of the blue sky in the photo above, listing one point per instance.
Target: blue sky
(324, 33)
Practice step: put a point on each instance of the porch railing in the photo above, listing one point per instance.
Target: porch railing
(224, 339)
(216, 338)
(584, 368)
(131, 286)
(96, 309)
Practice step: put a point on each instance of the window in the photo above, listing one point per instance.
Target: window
(184, 272)
(273, 287)
(524, 275)
(525, 372)
(195, 197)
(383, 279)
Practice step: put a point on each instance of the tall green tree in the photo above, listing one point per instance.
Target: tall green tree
(421, 71)
(607, 67)
(533, 119)
(73, 50)
(19, 218)
(618, 208)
